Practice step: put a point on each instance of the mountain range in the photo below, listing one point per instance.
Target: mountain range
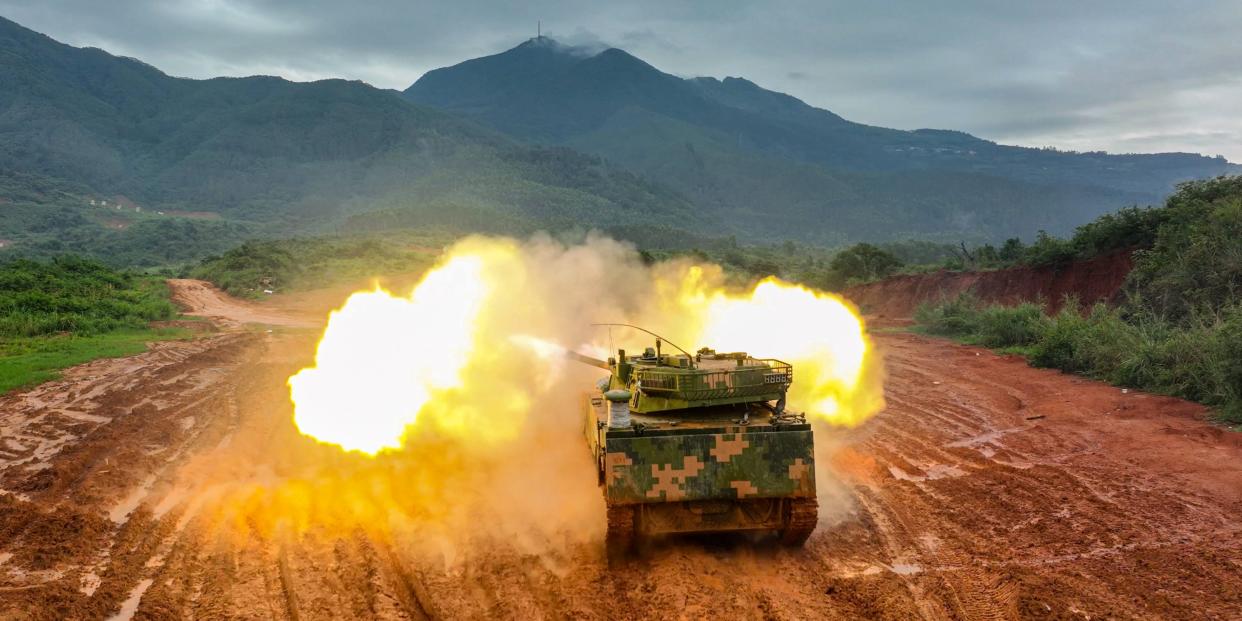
(777, 164)
(540, 136)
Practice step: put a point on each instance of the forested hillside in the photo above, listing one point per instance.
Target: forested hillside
(781, 167)
(263, 156)
(109, 157)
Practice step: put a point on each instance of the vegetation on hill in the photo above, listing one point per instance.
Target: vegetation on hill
(261, 157)
(859, 263)
(1128, 229)
(69, 310)
(1193, 264)
(264, 157)
(286, 265)
(778, 168)
(1179, 331)
(75, 295)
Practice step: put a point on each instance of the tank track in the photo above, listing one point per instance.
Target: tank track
(801, 515)
(621, 532)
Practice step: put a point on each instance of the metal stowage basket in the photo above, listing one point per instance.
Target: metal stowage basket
(755, 378)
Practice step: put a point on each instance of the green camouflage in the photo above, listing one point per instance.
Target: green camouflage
(699, 443)
(696, 464)
(666, 388)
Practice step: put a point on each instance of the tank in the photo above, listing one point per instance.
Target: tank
(699, 443)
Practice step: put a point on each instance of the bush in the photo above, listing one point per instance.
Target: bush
(70, 294)
(1131, 227)
(1017, 326)
(300, 263)
(955, 317)
(1049, 250)
(1200, 361)
(861, 263)
(1196, 263)
(992, 326)
(1088, 344)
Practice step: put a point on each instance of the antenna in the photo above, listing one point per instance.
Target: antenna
(626, 325)
(539, 29)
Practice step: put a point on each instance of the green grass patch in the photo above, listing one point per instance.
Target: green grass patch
(27, 362)
(77, 296)
(68, 311)
(1198, 359)
(967, 319)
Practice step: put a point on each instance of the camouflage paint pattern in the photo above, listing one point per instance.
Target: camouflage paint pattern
(741, 462)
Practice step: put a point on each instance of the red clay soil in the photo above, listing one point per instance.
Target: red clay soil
(172, 485)
(1095, 280)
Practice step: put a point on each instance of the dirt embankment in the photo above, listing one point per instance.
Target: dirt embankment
(1095, 280)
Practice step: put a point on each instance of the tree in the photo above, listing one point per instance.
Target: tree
(1012, 251)
(862, 262)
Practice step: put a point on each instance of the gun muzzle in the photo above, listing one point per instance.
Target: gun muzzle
(595, 362)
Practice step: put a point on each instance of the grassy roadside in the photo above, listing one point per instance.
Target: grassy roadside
(31, 361)
(1199, 360)
(1179, 330)
(68, 311)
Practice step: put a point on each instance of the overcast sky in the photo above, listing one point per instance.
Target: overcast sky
(1124, 76)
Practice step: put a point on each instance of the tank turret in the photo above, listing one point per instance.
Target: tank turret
(660, 382)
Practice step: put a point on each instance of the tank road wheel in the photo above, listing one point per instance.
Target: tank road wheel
(801, 515)
(621, 532)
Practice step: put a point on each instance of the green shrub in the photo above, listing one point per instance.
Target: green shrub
(1200, 360)
(1049, 250)
(1016, 326)
(299, 263)
(957, 317)
(1196, 263)
(1090, 344)
(1130, 227)
(860, 263)
(81, 296)
(966, 317)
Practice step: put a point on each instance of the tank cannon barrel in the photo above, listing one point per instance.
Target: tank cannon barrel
(595, 362)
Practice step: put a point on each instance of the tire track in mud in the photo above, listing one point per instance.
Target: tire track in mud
(156, 407)
(411, 592)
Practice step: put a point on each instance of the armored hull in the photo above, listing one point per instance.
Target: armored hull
(704, 473)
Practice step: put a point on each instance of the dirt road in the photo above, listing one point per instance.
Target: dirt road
(173, 485)
(201, 299)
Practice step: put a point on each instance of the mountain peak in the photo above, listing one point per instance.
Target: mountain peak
(540, 42)
(543, 43)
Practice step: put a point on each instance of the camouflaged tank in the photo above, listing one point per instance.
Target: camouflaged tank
(699, 443)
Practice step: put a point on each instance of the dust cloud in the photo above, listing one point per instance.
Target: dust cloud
(492, 449)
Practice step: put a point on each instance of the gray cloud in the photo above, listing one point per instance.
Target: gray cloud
(1120, 75)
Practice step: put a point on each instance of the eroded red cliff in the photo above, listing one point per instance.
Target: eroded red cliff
(1094, 280)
